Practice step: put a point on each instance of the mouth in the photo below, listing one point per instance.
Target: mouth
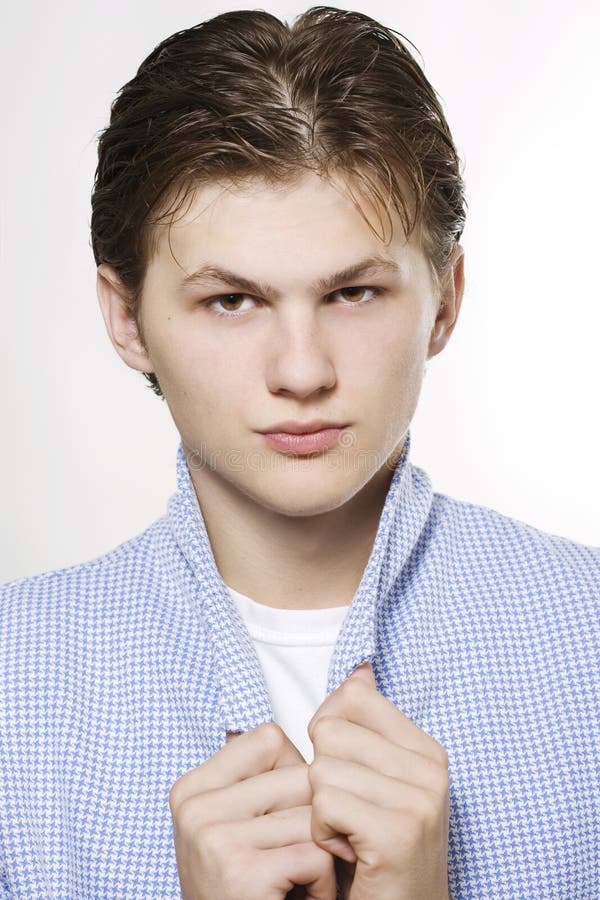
(304, 442)
(293, 426)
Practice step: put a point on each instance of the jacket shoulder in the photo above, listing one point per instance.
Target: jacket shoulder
(107, 573)
(474, 531)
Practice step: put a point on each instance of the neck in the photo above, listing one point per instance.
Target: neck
(290, 562)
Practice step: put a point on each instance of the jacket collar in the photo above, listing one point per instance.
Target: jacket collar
(243, 695)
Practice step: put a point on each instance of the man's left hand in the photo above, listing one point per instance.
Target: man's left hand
(380, 796)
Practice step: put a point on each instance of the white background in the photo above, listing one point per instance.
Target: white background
(508, 415)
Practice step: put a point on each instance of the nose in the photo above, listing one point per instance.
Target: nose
(299, 362)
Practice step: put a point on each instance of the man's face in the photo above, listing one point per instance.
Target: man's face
(351, 353)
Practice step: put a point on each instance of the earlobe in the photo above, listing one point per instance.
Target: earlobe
(119, 319)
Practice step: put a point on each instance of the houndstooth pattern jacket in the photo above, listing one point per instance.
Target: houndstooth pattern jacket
(119, 674)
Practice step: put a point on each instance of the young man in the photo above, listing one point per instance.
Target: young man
(313, 676)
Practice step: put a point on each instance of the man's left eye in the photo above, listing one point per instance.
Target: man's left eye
(355, 293)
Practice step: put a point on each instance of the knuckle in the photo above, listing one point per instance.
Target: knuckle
(310, 856)
(183, 787)
(186, 817)
(319, 770)
(409, 830)
(413, 826)
(441, 754)
(321, 800)
(423, 818)
(430, 808)
(176, 796)
(271, 736)
(323, 727)
(440, 781)
(211, 837)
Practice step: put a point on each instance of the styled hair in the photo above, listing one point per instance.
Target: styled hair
(246, 95)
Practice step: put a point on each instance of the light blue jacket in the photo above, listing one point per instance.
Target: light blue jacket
(120, 674)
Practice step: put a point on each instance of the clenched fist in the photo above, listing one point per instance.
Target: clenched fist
(380, 795)
(242, 824)
(257, 822)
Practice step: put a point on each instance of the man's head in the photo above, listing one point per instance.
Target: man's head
(283, 155)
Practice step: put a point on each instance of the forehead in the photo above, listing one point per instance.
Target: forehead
(255, 207)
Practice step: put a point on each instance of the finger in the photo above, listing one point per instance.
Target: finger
(276, 829)
(292, 859)
(356, 700)
(288, 826)
(381, 790)
(250, 753)
(366, 826)
(304, 864)
(257, 796)
(344, 740)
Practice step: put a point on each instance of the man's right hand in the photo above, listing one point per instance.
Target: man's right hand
(242, 823)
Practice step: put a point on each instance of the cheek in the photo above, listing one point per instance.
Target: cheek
(200, 376)
(392, 351)
(388, 374)
(183, 357)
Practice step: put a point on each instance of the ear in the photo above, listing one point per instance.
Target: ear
(452, 290)
(119, 319)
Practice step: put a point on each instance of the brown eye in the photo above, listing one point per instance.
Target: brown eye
(229, 304)
(356, 294)
(227, 299)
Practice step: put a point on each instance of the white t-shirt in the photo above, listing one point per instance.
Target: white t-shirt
(294, 647)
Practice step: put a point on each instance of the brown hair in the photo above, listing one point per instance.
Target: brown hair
(245, 94)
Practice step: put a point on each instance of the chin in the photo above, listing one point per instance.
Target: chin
(293, 495)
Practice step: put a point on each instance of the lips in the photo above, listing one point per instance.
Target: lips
(291, 426)
(302, 443)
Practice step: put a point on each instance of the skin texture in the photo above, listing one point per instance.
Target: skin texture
(372, 809)
(296, 531)
(294, 352)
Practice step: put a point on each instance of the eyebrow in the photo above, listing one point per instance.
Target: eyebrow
(372, 265)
